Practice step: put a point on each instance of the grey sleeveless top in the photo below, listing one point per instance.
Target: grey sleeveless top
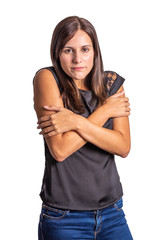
(87, 179)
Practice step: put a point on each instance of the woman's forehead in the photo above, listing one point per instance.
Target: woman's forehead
(80, 38)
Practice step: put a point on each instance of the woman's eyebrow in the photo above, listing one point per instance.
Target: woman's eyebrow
(87, 45)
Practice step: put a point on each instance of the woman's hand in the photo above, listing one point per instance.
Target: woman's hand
(63, 120)
(117, 105)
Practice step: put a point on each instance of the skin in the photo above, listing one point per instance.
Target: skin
(77, 57)
(64, 139)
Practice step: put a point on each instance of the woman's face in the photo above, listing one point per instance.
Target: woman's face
(77, 56)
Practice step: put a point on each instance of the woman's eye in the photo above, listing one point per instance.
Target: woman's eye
(85, 49)
(68, 50)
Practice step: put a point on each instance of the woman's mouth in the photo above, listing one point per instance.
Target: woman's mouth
(78, 68)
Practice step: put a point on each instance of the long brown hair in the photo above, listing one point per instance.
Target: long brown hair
(63, 32)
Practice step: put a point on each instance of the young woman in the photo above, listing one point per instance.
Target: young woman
(83, 116)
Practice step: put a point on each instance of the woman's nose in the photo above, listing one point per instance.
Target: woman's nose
(77, 57)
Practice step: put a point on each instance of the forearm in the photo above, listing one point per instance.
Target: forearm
(113, 141)
(64, 143)
(69, 142)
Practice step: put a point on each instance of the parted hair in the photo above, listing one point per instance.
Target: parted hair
(94, 81)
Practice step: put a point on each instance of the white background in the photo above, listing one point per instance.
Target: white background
(128, 33)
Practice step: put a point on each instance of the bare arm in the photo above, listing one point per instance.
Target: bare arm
(116, 141)
(46, 92)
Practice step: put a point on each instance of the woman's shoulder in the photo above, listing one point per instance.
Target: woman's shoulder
(111, 75)
(113, 81)
(45, 71)
(46, 74)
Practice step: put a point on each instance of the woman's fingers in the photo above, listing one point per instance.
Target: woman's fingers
(126, 99)
(46, 130)
(43, 119)
(52, 108)
(44, 124)
(127, 104)
(128, 109)
(50, 134)
(118, 94)
(46, 118)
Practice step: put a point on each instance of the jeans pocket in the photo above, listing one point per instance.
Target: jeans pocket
(53, 213)
(118, 205)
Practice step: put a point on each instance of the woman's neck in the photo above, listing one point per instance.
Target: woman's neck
(81, 84)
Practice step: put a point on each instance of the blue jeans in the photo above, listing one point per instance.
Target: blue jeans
(105, 224)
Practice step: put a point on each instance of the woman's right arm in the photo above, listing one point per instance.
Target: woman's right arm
(46, 92)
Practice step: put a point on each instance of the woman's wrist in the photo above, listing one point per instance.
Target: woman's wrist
(80, 122)
(106, 110)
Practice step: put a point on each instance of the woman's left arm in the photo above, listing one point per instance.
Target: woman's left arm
(116, 141)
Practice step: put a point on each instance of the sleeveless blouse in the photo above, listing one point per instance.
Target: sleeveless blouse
(87, 179)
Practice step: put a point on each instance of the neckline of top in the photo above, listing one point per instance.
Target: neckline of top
(85, 91)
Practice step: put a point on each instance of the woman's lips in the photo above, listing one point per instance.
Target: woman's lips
(78, 68)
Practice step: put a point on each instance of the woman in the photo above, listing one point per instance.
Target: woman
(83, 116)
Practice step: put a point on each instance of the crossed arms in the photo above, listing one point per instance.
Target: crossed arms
(65, 132)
